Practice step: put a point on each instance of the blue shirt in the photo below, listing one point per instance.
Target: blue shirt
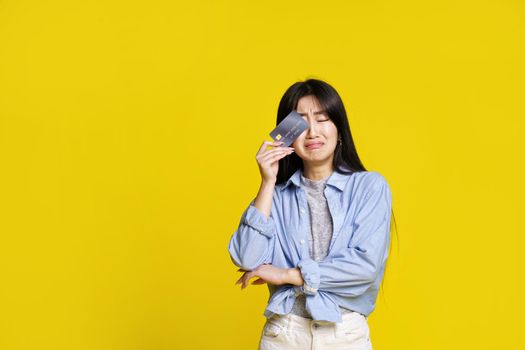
(349, 276)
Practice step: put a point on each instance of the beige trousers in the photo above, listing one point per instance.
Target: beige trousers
(292, 332)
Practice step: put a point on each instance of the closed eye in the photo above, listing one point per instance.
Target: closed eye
(321, 120)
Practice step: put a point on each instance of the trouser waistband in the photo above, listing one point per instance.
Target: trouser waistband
(295, 322)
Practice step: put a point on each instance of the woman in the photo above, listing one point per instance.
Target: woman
(317, 232)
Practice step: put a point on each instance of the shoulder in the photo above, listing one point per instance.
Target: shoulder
(373, 178)
(370, 182)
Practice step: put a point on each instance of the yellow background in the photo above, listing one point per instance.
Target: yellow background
(128, 133)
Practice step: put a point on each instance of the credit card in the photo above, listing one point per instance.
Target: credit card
(289, 128)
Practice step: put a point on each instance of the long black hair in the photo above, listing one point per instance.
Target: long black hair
(345, 154)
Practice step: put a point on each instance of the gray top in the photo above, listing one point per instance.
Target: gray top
(321, 229)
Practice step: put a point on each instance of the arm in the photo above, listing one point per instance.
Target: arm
(253, 242)
(351, 271)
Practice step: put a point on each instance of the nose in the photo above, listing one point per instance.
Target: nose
(312, 128)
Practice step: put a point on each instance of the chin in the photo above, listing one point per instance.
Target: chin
(316, 157)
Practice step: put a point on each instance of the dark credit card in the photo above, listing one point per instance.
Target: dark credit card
(289, 128)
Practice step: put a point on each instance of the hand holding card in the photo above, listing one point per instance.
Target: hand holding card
(268, 158)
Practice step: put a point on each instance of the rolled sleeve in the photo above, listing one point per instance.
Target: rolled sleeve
(253, 242)
(258, 221)
(310, 273)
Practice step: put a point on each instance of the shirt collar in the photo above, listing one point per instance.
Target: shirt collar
(336, 179)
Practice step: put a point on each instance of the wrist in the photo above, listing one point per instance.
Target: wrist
(295, 277)
(268, 183)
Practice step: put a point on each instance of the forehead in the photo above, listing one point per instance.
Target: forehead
(307, 103)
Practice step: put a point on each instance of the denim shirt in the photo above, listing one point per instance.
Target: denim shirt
(350, 275)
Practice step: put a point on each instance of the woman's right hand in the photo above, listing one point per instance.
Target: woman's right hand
(268, 159)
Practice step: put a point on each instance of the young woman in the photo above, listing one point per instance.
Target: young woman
(317, 232)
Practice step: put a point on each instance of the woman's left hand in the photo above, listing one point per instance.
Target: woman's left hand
(267, 274)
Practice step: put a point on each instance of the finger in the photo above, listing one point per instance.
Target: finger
(265, 144)
(272, 156)
(246, 279)
(238, 281)
(241, 281)
(259, 281)
(241, 278)
(270, 153)
(267, 154)
(275, 158)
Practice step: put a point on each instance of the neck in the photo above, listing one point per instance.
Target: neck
(317, 172)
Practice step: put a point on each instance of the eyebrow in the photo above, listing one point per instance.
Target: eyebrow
(318, 112)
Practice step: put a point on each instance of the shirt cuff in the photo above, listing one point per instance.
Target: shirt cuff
(310, 273)
(258, 221)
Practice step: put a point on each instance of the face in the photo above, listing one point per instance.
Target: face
(316, 145)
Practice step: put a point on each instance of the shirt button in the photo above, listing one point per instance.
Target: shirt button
(302, 210)
(316, 325)
(302, 241)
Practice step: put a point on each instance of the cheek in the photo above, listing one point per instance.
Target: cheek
(332, 132)
(298, 141)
